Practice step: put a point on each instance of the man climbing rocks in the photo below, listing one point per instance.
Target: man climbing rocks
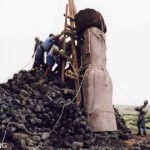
(141, 117)
(56, 55)
(44, 47)
(53, 57)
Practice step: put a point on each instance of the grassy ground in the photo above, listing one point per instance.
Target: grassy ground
(130, 116)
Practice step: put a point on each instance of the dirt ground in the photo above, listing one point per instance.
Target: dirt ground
(138, 140)
(130, 116)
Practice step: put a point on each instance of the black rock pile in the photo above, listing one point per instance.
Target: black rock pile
(29, 113)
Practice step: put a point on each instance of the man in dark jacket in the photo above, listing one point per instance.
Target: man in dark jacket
(37, 43)
(141, 117)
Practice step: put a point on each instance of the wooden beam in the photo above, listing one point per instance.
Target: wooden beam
(71, 73)
(74, 8)
(71, 19)
(69, 91)
(71, 28)
(70, 76)
(72, 12)
(62, 54)
(64, 45)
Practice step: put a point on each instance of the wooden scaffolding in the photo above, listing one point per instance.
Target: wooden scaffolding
(69, 27)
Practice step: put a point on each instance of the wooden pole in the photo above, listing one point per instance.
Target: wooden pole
(74, 8)
(64, 45)
(72, 12)
(69, 91)
(62, 54)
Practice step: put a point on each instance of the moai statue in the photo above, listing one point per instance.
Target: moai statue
(97, 84)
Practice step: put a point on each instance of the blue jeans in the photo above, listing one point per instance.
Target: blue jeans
(141, 125)
(50, 60)
(39, 57)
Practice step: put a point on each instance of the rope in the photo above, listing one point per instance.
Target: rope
(10, 123)
(27, 64)
(20, 125)
(57, 119)
(19, 69)
(124, 92)
(71, 101)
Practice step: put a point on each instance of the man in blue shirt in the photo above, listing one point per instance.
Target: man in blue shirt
(53, 57)
(44, 47)
(141, 117)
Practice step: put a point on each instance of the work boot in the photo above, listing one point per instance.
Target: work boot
(139, 133)
(144, 133)
(48, 71)
(33, 69)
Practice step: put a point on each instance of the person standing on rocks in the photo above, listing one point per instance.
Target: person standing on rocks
(141, 117)
(53, 57)
(37, 43)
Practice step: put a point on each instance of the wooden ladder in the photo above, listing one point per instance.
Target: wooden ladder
(70, 15)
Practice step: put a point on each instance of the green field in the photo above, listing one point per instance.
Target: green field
(130, 116)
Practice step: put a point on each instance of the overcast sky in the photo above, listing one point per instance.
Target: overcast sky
(128, 39)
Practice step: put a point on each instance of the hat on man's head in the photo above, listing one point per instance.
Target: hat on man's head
(36, 38)
(145, 101)
(51, 35)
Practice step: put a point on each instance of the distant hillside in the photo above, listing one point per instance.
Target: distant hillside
(130, 116)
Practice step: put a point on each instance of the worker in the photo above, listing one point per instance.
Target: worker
(53, 57)
(37, 43)
(141, 117)
(44, 47)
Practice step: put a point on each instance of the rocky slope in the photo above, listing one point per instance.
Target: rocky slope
(33, 117)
